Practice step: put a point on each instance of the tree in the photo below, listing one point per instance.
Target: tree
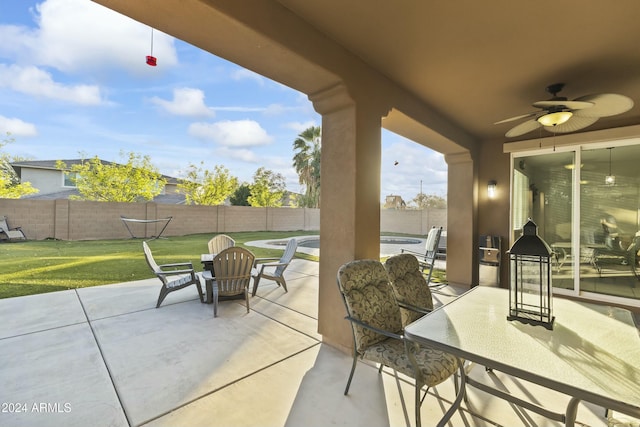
(10, 185)
(267, 188)
(306, 161)
(241, 195)
(424, 201)
(137, 180)
(205, 187)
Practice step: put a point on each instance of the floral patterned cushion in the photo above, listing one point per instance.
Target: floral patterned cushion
(368, 296)
(435, 365)
(409, 285)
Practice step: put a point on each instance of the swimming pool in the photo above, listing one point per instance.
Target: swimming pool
(314, 242)
(389, 245)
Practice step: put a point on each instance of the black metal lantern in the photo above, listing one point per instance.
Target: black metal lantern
(530, 290)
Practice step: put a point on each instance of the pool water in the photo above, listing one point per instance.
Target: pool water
(314, 242)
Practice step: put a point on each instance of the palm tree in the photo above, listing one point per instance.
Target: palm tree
(306, 161)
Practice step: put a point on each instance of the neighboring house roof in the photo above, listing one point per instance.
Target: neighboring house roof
(172, 199)
(51, 164)
(64, 193)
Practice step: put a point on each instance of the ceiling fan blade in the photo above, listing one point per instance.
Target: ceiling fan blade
(606, 104)
(573, 124)
(572, 105)
(522, 128)
(511, 119)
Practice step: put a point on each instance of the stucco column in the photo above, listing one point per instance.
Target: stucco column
(350, 200)
(462, 256)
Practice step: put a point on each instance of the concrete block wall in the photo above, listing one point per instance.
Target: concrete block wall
(81, 220)
(99, 220)
(186, 219)
(36, 217)
(401, 221)
(283, 220)
(412, 221)
(311, 219)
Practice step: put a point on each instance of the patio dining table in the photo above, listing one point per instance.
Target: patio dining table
(592, 354)
(208, 275)
(207, 261)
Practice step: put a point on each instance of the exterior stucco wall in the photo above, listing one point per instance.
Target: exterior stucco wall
(45, 180)
(493, 214)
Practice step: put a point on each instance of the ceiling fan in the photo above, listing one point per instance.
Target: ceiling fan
(558, 115)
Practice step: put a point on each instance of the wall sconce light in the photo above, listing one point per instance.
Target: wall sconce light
(491, 189)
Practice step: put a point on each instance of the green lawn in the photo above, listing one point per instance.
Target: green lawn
(35, 267)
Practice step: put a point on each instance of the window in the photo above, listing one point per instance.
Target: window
(69, 179)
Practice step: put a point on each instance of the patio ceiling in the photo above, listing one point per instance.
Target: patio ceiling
(478, 62)
(473, 63)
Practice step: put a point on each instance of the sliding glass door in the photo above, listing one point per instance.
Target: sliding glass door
(609, 223)
(586, 203)
(543, 191)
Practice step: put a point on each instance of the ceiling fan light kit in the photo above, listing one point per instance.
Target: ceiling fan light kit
(554, 119)
(560, 115)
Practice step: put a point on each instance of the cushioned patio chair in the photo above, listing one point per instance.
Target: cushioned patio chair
(409, 286)
(428, 259)
(173, 276)
(10, 234)
(378, 333)
(219, 243)
(632, 255)
(268, 269)
(232, 269)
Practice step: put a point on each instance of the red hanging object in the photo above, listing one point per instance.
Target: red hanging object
(152, 60)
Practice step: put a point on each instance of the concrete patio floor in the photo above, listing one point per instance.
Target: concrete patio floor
(105, 356)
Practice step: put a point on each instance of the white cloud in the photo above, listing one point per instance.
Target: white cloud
(240, 109)
(300, 126)
(36, 82)
(241, 154)
(186, 102)
(17, 41)
(269, 110)
(78, 35)
(238, 133)
(17, 127)
(244, 74)
(276, 110)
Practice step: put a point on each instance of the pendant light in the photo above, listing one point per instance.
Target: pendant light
(610, 179)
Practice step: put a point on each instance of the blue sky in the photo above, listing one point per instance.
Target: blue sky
(74, 83)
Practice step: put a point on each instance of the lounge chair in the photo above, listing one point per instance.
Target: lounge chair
(10, 234)
(268, 269)
(233, 276)
(186, 275)
(428, 259)
(219, 243)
